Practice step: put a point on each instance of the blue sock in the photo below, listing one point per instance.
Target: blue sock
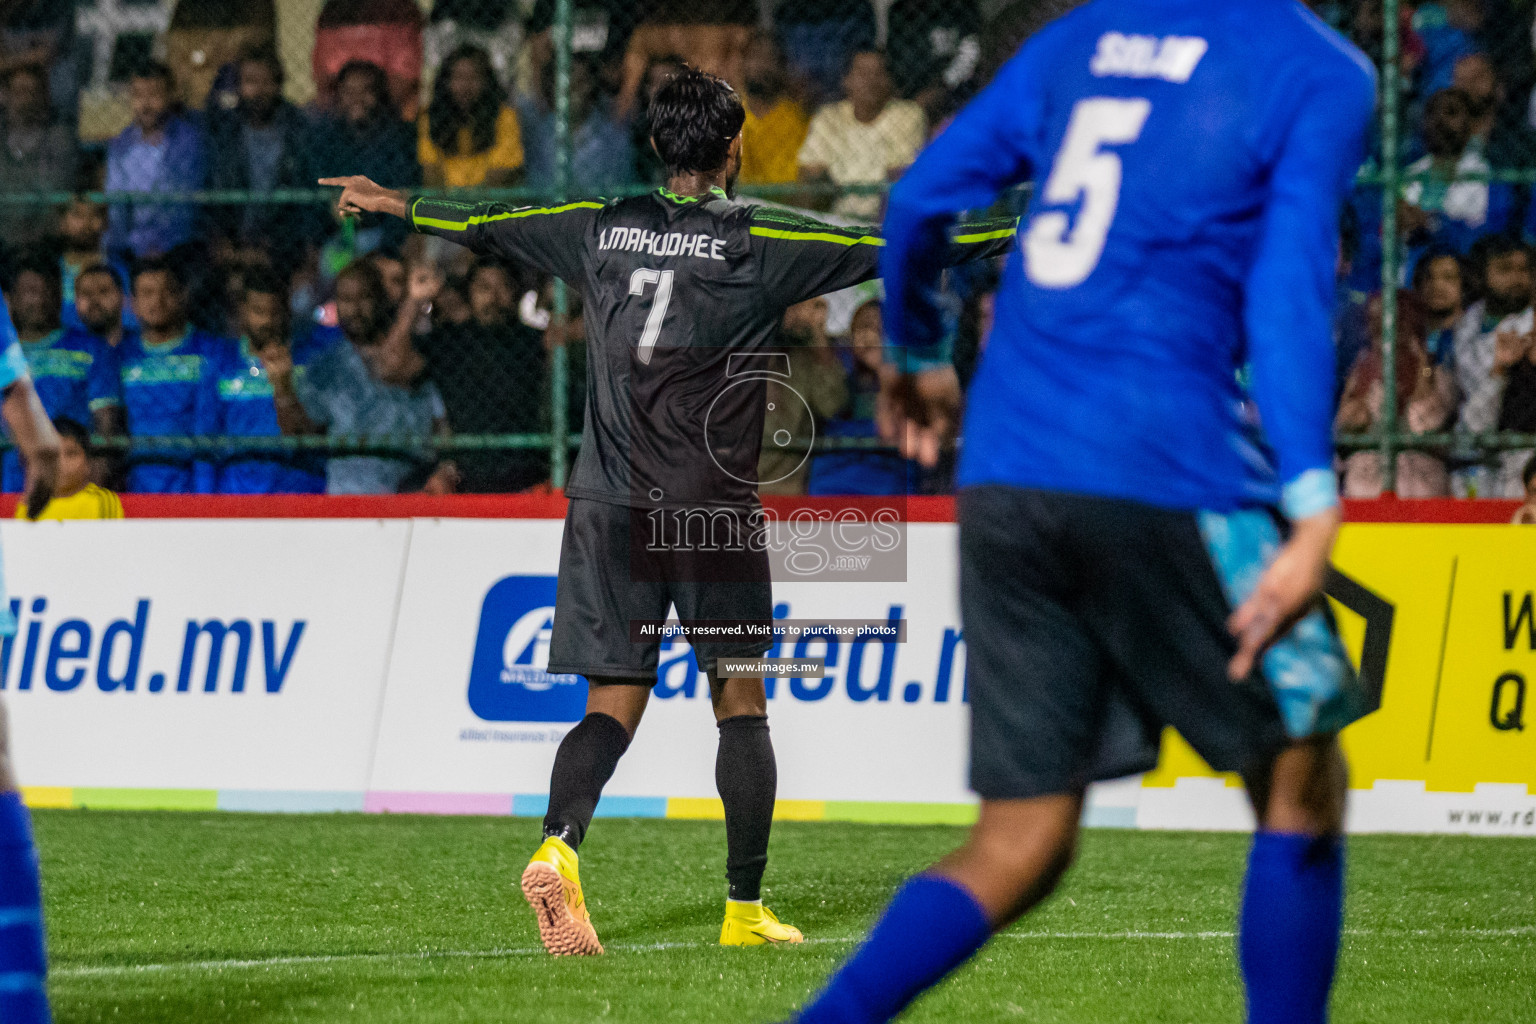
(932, 926)
(23, 964)
(1293, 911)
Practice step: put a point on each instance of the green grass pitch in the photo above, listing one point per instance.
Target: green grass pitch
(181, 917)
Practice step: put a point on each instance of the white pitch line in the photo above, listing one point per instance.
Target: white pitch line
(108, 970)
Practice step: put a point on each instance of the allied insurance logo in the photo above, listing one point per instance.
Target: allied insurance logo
(507, 678)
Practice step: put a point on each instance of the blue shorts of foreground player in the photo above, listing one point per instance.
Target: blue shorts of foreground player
(1092, 623)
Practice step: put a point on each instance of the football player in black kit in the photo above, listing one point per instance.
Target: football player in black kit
(676, 284)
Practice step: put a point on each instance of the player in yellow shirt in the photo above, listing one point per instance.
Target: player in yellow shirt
(74, 497)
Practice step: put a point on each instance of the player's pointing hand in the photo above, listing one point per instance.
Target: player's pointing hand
(360, 195)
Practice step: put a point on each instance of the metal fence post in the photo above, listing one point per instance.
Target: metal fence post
(1391, 265)
(559, 359)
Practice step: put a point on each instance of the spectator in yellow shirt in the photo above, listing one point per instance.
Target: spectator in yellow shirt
(867, 139)
(776, 121)
(75, 497)
(468, 136)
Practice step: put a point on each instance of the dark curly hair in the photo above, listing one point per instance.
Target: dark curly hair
(260, 280)
(377, 81)
(74, 430)
(445, 119)
(39, 260)
(693, 120)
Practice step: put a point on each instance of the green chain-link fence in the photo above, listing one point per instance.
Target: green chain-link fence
(1437, 372)
(176, 145)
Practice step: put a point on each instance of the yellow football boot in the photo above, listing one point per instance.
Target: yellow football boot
(752, 924)
(552, 888)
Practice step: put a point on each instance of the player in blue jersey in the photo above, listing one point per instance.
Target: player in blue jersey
(165, 368)
(1135, 552)
(74, 373)
(244, 397)
(23, 960)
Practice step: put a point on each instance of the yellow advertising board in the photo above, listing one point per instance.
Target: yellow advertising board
(1450, 611)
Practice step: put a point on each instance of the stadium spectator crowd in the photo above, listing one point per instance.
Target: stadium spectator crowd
(269, 318)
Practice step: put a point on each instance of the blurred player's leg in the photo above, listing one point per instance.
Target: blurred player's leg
(1170, 589)
(583, 765)
(747, 777)
(1016, 854)
(1039, 692)
(23, 962)
(1293, 897)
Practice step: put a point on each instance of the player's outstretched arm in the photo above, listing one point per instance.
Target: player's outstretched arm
(552, 238)
(359, 195)
(985, 151)
(1288, 305)
(35, 439)
(803, 257)
(548, 237)
(979, 240)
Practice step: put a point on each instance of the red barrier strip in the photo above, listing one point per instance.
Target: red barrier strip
(1429, 510)
(552, 506)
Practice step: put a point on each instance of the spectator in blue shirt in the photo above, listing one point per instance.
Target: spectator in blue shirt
(161, 151)
(165, 390)
(1447, 207)
(603, 155)
(820, 36)
(1449, 31)
(99, 305)
(82, 230)
(244, 394)
(345, 393)
(75, 374)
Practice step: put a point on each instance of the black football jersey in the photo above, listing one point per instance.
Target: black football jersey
(682, 297)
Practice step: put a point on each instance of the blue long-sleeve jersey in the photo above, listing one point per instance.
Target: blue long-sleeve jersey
(13, 367)
(166, 393)
(244, 407)
(1189, 160)
(75, 373)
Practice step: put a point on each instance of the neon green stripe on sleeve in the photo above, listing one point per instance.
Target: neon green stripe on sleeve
(986, 236)
(817, 236)
(465, 225)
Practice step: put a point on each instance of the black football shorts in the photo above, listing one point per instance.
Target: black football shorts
(614, 572)
(1093, 623)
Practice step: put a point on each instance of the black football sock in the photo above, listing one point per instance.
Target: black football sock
(747, 777)
(583, 765)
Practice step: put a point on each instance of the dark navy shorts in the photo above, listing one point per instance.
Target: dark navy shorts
(1091, 624)
(613, 573)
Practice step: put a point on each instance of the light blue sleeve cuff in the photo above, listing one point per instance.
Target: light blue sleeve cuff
(909, 362)
(13, 365)
(922, 358)
(1316, 490)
